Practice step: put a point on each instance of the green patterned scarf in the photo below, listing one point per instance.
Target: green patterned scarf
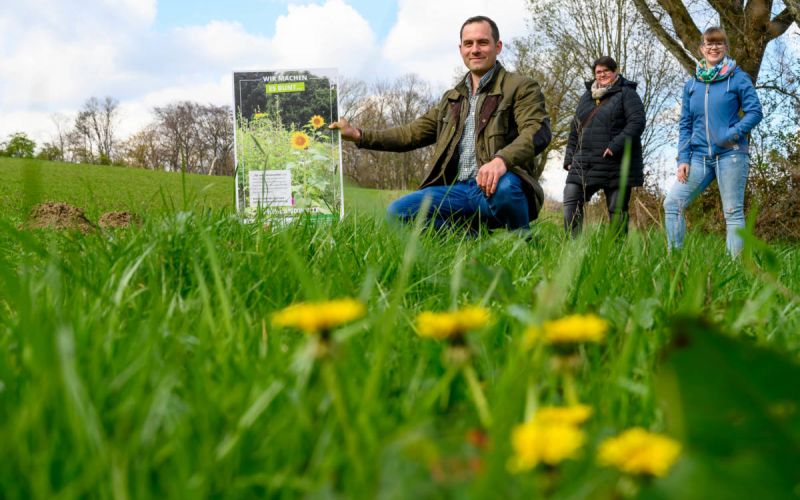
(721, 71)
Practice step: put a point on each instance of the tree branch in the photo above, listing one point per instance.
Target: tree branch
(781, 23)
(676, 49)
(794, 8)
(682, 22)
(725, 7)
(781, 90)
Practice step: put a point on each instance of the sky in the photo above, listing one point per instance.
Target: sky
(55, 54)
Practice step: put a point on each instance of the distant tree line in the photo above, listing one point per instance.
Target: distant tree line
(183, 135)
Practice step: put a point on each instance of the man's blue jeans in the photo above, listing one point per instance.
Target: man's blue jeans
(464, 203)
(731, 172)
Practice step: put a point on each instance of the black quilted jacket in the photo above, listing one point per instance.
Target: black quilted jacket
(620, 118)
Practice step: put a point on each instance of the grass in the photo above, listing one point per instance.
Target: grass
(143, 363)
(100, 189)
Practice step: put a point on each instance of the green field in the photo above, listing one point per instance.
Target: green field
(145, 362)
(99, 189)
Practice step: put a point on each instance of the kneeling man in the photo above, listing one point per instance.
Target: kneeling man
(486, 132)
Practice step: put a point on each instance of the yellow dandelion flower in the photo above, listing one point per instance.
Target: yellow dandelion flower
(448, 324)
(317, 121)
(637, 451)
(260, 115)
(300, 140)
(317, 317)
(569, 330)
(570, 415)
(552, 443)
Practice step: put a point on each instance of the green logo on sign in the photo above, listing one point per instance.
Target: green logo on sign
(278, 88)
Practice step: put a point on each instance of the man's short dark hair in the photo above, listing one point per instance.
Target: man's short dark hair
(481, 19)
(605, 61)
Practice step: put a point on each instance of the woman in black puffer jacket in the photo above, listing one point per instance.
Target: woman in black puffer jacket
(609, 115)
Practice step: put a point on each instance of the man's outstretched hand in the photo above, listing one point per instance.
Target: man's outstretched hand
(349, 132)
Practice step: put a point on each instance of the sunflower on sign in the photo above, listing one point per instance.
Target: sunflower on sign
(317, 121)
(300, 140)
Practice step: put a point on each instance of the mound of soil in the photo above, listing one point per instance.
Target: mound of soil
(55, 215)
(115, 220)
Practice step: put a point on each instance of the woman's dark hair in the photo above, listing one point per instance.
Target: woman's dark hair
(606, 61)
(482, 19)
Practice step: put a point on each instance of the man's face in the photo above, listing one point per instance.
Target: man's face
(478, 49)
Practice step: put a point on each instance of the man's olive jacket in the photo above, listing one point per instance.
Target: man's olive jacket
(511, 112)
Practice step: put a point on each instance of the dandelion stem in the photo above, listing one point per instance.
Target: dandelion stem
(569, 387)
(531, 399)
(443, 383)
(264, 346)
(477, 395)
(351, 440)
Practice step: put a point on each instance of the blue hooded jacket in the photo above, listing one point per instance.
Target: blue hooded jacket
(710, 117)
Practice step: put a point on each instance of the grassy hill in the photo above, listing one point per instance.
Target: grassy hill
(98, 189)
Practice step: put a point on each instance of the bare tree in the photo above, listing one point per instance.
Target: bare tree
(95, 123)
(190, 136)
(80, 145)
(144, 149)
(750, 26)
(380, 105)
(794, 8)
(561, 85)
(61, 137)
(215, 130)
(352, 93)
(179, 133)
(409, 98)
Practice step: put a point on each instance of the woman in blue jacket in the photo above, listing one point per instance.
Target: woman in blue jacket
(720, 108)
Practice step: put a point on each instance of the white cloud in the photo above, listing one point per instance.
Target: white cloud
(140, 10)
(54, 54)
(52, 71)
(218, 44)
(425, 38)
(328, 35)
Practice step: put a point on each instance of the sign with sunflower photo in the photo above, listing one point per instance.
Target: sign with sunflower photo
(288, 163)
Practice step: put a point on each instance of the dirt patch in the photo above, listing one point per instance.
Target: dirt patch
(116, 220)
(55, 215)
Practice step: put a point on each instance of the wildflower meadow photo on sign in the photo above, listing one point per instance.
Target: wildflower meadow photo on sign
(288, 163)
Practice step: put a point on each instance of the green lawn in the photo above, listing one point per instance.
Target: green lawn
(145, 362)
(98, 189)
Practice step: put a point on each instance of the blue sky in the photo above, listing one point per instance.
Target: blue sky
(257, 16)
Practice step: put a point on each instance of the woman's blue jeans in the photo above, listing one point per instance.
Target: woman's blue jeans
(464, 203)
(731, 172)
